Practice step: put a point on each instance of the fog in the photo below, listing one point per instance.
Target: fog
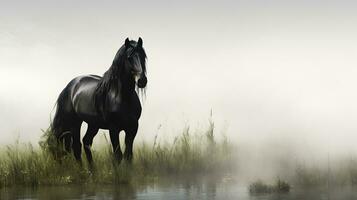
(276, 75)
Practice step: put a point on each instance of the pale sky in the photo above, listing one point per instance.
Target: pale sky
(268, 69)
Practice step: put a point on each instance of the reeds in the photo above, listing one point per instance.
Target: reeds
(189, 154)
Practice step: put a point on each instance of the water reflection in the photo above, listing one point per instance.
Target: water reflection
(71, 192)
(197, 190)
(164, 190)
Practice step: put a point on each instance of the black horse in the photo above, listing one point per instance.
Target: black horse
(109, 102)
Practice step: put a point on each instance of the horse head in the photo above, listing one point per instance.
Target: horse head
(135, 61)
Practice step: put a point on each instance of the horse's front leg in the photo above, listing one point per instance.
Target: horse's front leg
(130, 134)
(114, 138)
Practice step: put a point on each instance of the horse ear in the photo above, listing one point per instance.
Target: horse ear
(140, 42)
(127, 42)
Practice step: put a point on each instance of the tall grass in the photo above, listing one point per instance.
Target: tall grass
(342, 172)
(186, 155)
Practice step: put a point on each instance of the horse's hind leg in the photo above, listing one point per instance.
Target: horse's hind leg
(88, 141)
(76, 145)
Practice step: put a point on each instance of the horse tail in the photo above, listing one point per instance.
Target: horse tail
(59, 118)
(60, 125)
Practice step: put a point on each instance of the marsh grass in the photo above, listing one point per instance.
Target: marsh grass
(189, 154)
(259, 187)
(342, 172)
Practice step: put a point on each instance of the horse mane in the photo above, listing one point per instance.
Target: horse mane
(143, 58)
(111, 78)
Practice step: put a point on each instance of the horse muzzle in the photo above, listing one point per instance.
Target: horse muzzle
(142, 82)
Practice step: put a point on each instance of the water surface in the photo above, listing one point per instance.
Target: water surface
(167, 191)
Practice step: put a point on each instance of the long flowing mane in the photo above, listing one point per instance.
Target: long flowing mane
(111, 78)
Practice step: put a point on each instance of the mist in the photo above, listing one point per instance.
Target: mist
(279, 76)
